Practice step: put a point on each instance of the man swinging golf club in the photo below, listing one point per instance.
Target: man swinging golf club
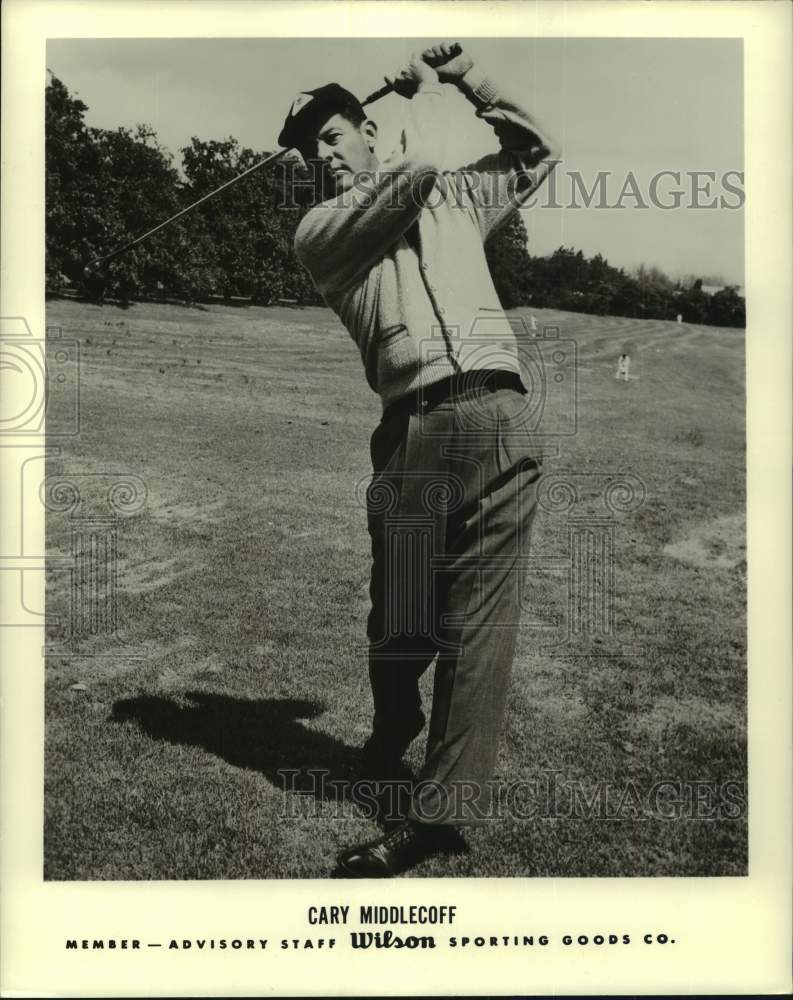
(396, 251)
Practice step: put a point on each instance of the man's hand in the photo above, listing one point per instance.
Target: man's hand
(407, 80)
(449, 59)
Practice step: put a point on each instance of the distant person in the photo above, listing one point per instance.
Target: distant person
(623, 367)
(397, 253)
(679, 317)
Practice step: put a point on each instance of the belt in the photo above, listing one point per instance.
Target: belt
(458, 386)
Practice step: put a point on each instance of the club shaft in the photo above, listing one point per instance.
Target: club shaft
(456, 49)
(144, 236)
(375, 96)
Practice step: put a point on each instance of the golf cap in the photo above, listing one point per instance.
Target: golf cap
(311, 108)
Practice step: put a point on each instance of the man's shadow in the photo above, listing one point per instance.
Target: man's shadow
(265, 735)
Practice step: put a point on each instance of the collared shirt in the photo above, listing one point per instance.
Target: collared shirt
(400, 255)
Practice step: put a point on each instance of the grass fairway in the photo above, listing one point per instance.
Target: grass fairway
(243, 592)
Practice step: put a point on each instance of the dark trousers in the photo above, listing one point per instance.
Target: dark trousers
(450, 509)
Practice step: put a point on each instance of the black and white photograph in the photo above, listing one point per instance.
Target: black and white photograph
(394, 490)
(472, 603)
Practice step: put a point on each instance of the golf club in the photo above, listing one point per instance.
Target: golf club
(375, 96)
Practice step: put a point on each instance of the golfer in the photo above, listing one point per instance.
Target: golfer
(396, 249)
(623, 367)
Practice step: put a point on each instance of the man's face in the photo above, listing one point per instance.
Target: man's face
(344, 149)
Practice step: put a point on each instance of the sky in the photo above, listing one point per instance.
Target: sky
(623, 106)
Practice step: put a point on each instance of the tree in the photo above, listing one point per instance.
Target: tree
(102, 188)
(507, 258)
(694, 303)
(71, 161)
(247, 231)
(138, 187)
(727, 308)
(656, 293)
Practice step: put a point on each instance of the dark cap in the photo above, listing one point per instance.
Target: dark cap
(311, 108)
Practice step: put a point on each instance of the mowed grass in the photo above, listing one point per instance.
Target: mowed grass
(243, 592)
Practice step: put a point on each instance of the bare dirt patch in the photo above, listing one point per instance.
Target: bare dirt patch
(717, 544)
(186, 513)
(151, 574)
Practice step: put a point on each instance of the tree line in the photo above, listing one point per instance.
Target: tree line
(104, 186)
(566, 279)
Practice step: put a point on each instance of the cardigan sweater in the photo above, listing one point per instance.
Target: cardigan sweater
(400, 258)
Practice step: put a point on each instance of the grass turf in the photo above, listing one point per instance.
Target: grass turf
(243, 592)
